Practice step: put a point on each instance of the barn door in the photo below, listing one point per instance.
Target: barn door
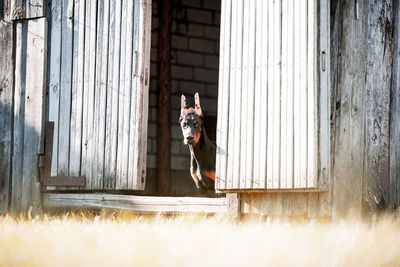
(98, 91)
(273, 117)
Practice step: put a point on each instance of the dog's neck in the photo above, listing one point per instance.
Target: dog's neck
(203, 148)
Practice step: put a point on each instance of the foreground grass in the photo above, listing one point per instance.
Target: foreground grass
(194, 240)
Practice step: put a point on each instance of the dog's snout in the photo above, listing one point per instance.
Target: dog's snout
(190, 137)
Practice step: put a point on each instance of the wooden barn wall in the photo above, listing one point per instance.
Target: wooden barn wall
(365, 118)
(98, 91)
(23, 42)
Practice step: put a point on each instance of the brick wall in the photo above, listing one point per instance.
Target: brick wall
(194, 68)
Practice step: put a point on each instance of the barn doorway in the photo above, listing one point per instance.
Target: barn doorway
(195, 34)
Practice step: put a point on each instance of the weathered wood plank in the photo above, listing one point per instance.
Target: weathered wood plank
(395, 113)
(238, 103)
(55, 76)
(271, 204)
(233, 205)
(134, 203)
(324, 116)
(129, 92)
(138, 71)
(100, 95)
(88, 120)
(77, 89)
(6, 112)
(110, 162)
(97, 165)
(290, 99)
(270, 95)
(222, 50)
(27, 9)
(248, 157)
(35, 8)
(319, 204)
(5, 10)
(303, 95)
(144, 104)
(223, 95)
(377, 105)
(350, 72)
(264, 97)
(312, 95)
(121, 181)
(232, 97)
(36, 71)
(296, 98)
(295, 204)
(66, 86)
(243, 95)
(19, 110)
(257, 95)
(276, 128)
(284, 94)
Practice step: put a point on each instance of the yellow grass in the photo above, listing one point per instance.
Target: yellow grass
(194, 240)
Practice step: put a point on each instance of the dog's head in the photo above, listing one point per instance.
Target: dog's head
(191, 121)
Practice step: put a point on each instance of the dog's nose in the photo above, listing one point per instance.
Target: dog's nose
(189, 138)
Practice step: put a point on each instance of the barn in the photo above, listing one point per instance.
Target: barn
(301, 97)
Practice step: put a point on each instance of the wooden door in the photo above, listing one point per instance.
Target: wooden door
(98, 90)
(273, 107)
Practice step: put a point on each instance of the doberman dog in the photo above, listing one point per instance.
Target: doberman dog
(202, 149)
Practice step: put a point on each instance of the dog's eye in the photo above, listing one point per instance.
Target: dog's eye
(185, 125)
(196, 124)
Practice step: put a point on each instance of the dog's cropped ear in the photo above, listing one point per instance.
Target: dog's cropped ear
(197, 107)
(183, 106)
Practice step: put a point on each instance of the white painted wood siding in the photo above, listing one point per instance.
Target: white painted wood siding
(98, 91)
(273, 128)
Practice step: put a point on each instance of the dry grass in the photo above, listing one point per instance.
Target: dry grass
(194, 240)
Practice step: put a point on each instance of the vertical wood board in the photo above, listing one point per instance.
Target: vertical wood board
(6, 112)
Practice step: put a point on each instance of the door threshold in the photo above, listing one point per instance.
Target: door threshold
(140, 204)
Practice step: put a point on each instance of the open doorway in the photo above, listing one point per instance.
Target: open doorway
(195, 34)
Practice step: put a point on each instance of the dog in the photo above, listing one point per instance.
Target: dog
(202, 149)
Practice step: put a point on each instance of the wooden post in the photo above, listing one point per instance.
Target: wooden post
(378, 80)
(6, 111)
(395, 113)
(349, 69)
(233, 205)
(164, 100)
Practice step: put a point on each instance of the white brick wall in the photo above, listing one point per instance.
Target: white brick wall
(194, 68)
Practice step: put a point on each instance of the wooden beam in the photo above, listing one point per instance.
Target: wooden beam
(6, 111)
(395, 112)
(377, 107)
(164, 100)
(350, 71)
(143, 204)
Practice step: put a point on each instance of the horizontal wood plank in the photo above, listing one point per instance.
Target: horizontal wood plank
(143, 204)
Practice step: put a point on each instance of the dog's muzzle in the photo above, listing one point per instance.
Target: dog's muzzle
(190, 140)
